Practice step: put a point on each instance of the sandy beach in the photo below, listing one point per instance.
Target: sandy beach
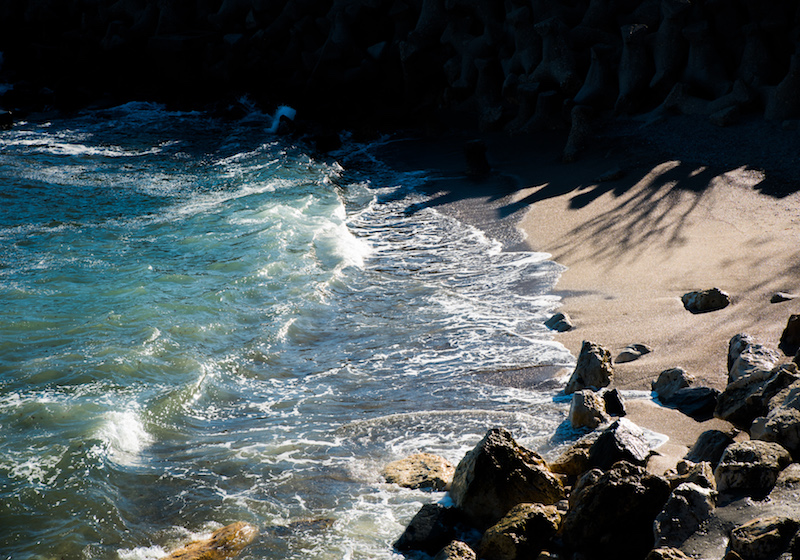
(639, 220)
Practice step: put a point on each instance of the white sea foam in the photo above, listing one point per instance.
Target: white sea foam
(125, 436)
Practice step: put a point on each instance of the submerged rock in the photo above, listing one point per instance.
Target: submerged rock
(222, 544)
(420, 471)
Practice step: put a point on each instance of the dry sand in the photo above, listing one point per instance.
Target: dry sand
(678, 215)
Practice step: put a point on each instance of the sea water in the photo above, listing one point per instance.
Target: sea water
(201, 323)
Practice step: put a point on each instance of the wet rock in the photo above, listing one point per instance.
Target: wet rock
(522, 533)
(622, 440)
(431, 529)
(587, 410)
(420, 471)
(687, 507)
(666, 553)
(632, 352)
(615, 404)
(222, 544)
(456, 550)
(612, 513)
(685, 471)
(575, 460)
(593, 370)
(751, 467)
(790, 338)
(764, 537)
(560, 322)
(497, 475)
(709, 447)
(698, 403)
(705, 301)
(671, 381)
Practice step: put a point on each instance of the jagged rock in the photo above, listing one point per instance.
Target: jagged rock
(782, 423)
(593, 370)
(422, 470)
(685, 471)
(670, 47)
(751, 467)
(666, 553)
(475, 156)
(764, 537)
(754, 357)
(560, 322)
(634, 68)
(580, 132)
(733, 404)
(709, 447)
(558, 63)
(587, 410)
(696, 402)
(632, 352)
(575, 460)
(686, 509)
(706, 300)
(222, 544)
(704, 71)
(432, 528)
(522, 533)
(612, 513)
(736, 346)
(497, 475)
(599, 87)
(671, 381)
(615, 404)
(622, 440)
(790, 338)
(456, 550)
(784, 103)
(773, 393)
(780, 297)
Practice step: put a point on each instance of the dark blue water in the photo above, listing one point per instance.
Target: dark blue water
(201, 324)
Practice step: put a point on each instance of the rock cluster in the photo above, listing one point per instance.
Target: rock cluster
(522, 65)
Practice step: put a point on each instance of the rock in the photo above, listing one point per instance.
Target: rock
(422, 470)
(612, 513)
(598, 89)
(560, 322)
(587, 410)
(575, 460)
(635, 70)
(783, 103)
(706, 300)
(709, 447)
(456, 550)
(222, 544)
(782, 423)
(750, 467)
(780, 297)
(580, 133)
(754, 357)
(622, 440)
(764, 537)
(475, 156)
(736, 346)
(593, 370)
(522, 533)
(686, 509)
(698, 403)
(431, 529)
(6, 120)
(670, 381)
(701, 474)
(666, 553)
(789, 477)
(615, 404)
(733, 405)
(726, 117)
(497, 475)
(772, 394)
(790, 338)
(633, 352)
(670, 47)
(705, 67)
(558, 65)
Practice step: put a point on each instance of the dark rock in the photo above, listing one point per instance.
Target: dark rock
(666, 553)
(733, 405)
(522, 533)
(764, 537)
(780, 297)
(709, 447)
(580, 133)
(687, 507)
(615, 404)
(558, 66)
(420, 471)
(704, 71)
(670, 48)
(599, 87)
(575, 460)
(456, 550)
(622, 440)
(475, 155)
(701, 474)
(586, 410)
(782, 423)
(790, 338)
(430, 530)
(635, 70)
(671, 381)
(784, 102)
(612, 513)
(696, 402)
(560, 322)
(497, 475)
(593, 370)
(632, 352)
(751, 467)
(771, 395)
(6, 120)
(706, 300)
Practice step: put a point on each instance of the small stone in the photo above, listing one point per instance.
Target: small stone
(560, 322)
(706, 300)
(632, 352)
(780, 297)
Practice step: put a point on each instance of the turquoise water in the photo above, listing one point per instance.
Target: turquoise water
(201, 324)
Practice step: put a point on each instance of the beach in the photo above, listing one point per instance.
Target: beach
(645, 215)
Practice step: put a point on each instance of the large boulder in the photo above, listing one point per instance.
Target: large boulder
(764, 537)
(594, 369)
(456, 550)
(431, 529)
(782, 423)
(709, 447)
(521, 534)
(686, 509)
(622, 440)
(223, 544)
(420, 471)
(497, 475)
(750, 467)
(671, 381)
(790, 338)
(611, 514)
(754, 357)
(704, 301)
(587, 409)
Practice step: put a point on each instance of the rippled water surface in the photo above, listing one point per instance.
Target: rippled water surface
(200, 324)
